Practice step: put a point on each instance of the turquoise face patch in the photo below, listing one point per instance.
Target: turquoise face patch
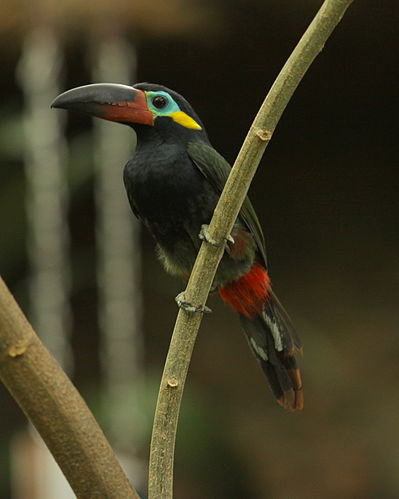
(161, 104)
(170, 105)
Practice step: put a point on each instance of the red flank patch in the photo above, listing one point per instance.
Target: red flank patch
(248, 294)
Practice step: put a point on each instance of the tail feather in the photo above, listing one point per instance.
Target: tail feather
(270, 333)
(289, 337)
(273, 343)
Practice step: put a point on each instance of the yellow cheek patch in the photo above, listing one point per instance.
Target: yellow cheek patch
(184, 120)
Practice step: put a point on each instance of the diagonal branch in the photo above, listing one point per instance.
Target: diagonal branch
(226, 212)
(54, 406)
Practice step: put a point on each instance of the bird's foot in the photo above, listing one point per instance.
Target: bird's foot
(229, 243)
(189, 307)
(230, 239)
(205, 236)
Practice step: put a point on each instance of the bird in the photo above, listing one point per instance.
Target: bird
(173, 182)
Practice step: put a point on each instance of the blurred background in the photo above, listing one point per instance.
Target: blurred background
(86, 275)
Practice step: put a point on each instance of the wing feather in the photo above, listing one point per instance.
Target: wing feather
(216, 170)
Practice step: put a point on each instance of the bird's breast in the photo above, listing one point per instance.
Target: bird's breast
(169, 193)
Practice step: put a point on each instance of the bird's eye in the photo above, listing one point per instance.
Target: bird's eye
(159, 101)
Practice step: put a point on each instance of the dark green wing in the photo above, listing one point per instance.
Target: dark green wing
(216, 170)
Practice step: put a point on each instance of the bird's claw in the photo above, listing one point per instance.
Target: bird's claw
(229, 239)
(205, 236)
(189, 307)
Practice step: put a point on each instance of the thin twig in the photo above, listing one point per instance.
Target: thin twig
(228, 207)
(54, 406)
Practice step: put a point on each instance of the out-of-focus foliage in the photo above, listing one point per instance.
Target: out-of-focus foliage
(72, 17)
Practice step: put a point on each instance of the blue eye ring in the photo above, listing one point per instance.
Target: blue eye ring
(160, 101)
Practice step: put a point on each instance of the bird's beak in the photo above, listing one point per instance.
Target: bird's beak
(108, 101)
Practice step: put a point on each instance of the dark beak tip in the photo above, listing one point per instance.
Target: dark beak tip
(100, 93)
(60, 102)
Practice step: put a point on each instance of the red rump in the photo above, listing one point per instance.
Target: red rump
(248, 294)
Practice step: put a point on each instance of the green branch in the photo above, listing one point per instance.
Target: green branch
(226, 212)
(52, 403)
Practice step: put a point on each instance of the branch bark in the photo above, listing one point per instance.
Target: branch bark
(54, 406)
(226, 212)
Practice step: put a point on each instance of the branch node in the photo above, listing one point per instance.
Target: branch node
(172, 383)
(264, 135)
(19, 348)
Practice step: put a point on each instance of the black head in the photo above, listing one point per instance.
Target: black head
(173, 115)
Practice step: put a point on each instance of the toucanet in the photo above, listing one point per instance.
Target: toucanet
(173, 182)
